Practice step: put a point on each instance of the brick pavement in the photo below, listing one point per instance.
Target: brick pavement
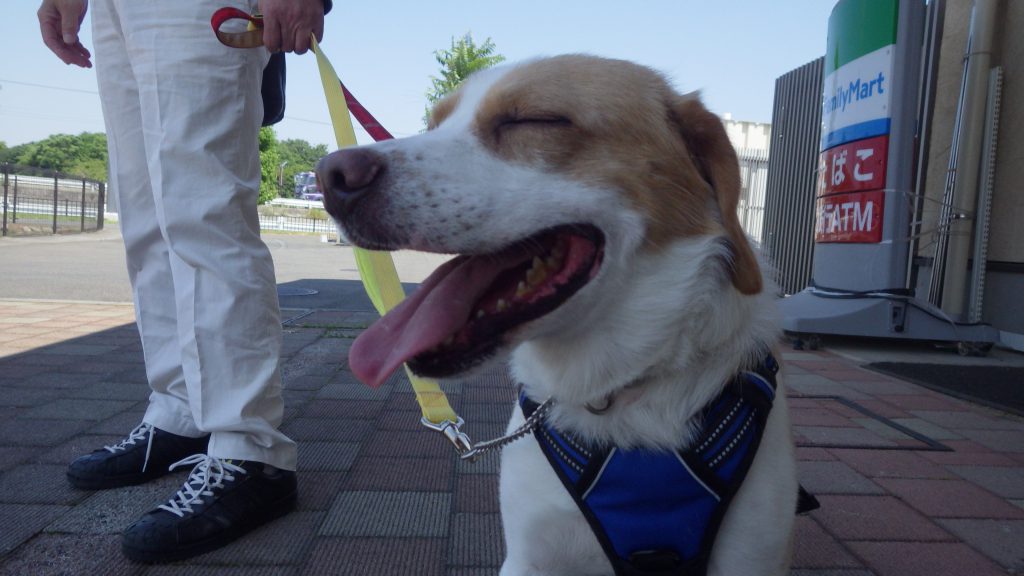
(912, 482)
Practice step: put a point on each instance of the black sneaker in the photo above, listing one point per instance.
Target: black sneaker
(146, 454)
(220, 501)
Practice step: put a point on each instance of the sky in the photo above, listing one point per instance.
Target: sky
(730, 50)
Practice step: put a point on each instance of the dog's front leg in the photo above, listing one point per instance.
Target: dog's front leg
(545, 532)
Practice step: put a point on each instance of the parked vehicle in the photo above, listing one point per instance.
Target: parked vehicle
(305, 184)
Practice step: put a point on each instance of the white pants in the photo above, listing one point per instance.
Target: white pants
(182, 114)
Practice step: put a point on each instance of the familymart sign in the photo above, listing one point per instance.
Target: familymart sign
(856, 113)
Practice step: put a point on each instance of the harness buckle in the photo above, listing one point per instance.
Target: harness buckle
(452, 431)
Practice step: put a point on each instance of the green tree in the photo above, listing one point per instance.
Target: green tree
(270, 160)
(81, 155)
(457, 63)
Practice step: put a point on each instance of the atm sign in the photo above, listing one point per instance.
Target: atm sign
(853, 217)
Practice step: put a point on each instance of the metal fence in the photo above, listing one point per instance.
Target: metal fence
(37, 202)
(753, 180)
(792, 175)
(299, 224)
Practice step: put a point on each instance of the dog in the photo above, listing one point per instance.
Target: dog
(592, 210)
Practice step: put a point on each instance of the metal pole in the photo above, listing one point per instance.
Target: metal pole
(984, 27)
(100, 206)
(81, 207)
(14, 213)
(7, 170)
(55, 192)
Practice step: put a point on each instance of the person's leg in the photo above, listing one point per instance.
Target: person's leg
(201, 111)
(144, 454)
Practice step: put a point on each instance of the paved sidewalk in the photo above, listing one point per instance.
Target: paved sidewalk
(911, 482)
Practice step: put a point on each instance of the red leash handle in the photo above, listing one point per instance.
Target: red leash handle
(251, 38)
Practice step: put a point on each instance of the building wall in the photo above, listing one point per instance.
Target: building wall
(1006, 243)
(747, 135)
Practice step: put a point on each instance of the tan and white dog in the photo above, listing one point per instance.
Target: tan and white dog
(593, 210)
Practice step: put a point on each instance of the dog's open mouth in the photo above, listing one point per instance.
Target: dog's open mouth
(466, 309)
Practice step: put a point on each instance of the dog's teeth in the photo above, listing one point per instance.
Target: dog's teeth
(553, 262)
(502, 305)
(521, 290)
(480, 313)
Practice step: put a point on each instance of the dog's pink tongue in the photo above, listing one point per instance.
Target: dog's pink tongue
(441, 305)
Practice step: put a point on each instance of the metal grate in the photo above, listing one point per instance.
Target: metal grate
(788, 237)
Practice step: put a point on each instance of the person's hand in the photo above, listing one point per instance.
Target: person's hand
(60, 21)
(287, 24)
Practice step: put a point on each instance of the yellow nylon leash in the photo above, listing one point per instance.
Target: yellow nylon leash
(377, 269)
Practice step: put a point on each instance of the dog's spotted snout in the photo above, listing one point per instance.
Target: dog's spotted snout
(348, 173)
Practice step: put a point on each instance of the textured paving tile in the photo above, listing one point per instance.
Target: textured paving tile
(815, 548)
(327, 429)
(286, 540)
(79, 409)
(62, 554)
(819, 417)
(929, 429)
(220, 570)
(38, 484)
(875, 518)
(891, 464)
(134, 391)
(999, 440)
(111, 511)
(968, 420)
(1000, 540)
(969, 453)
(11, 456)
(388, 514)
(927, 401)
(814, 454)
(476, 540)
(1004, 481)
(30, 432)
(354, 391)
(21, 521)
(343, 409)
(26, 397)
(317, 490)
(828, 572)
(830, 436)
(373, 556)
(337, 456)
(477, 494)
(489, 463)
(950, 498)
(924, 559)
(381, 473)
(421, 443)
(834, 478)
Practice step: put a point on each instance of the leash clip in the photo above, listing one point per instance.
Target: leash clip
(452, 431)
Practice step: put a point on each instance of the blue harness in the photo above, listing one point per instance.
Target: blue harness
(656, 512)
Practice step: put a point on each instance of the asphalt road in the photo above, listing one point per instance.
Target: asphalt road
(91, 267)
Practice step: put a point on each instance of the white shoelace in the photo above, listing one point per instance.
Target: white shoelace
(208, 474)
(140, 432)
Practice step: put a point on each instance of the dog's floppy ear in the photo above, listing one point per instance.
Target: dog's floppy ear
(715, 157)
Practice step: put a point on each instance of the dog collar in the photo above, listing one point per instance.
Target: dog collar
(658, 512)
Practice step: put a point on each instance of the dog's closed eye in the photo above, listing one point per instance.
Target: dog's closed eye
(544, 121)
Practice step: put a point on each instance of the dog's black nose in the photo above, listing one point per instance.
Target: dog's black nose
(350, 171)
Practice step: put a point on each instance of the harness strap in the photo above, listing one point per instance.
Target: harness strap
(657, 513)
